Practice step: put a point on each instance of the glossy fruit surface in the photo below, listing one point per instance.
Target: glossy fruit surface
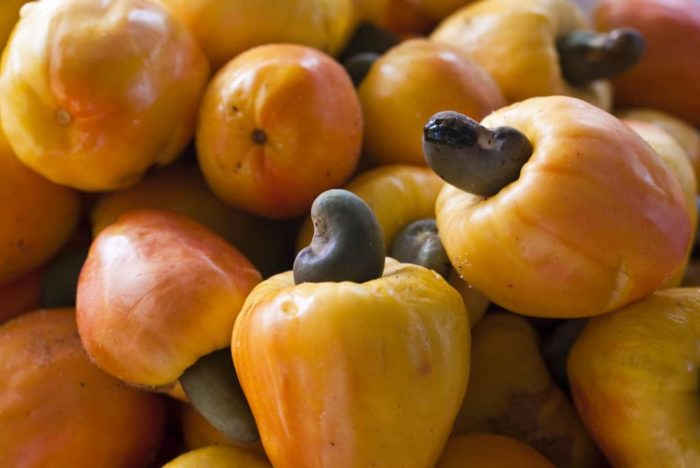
(683, 132)
(157, 292)
(183, 190)
(678, 162)
(596, 219)
(94, 93)
(388, 359)
(410, 83)
(515, 42)
(278, 125)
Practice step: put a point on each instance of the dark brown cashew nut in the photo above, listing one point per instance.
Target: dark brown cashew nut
(347, 243)
(587, 56)
(472, 157)
(419, 243)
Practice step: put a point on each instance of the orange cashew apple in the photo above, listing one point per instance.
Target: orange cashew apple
(563, 211)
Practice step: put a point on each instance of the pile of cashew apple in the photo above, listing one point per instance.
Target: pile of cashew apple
(349, 233)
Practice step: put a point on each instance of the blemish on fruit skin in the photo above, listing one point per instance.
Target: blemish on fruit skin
(258, 136)
(290, 308)
(63, 117)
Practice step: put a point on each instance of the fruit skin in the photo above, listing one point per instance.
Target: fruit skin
(183, 190)
(278, 125)
(685, 134)
(634, 380)
(227, 28)
(677, 161)
(511, 393)
(666, 77)
(59, 409)
(217, 456)
(388, 360)
(490, 451)
(94, 93)
(531, 248)
(37, 219)
(401, 17)
(410, 83)
(439, 9)
(20, 295)
(493, 34)
(157, 292)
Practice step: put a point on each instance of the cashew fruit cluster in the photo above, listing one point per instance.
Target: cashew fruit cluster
(349, 233)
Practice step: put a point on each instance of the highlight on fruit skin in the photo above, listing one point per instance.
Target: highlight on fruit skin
(530, 247)
(411, 82)
(278, 125)
(682, 131)
(94, 93)
(159, 291)
(182, 189)
(678, 162)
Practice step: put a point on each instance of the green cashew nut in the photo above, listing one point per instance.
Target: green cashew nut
(347, 243)
(587, 56)
(471, 157)
(211, 384)
(419, 243)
